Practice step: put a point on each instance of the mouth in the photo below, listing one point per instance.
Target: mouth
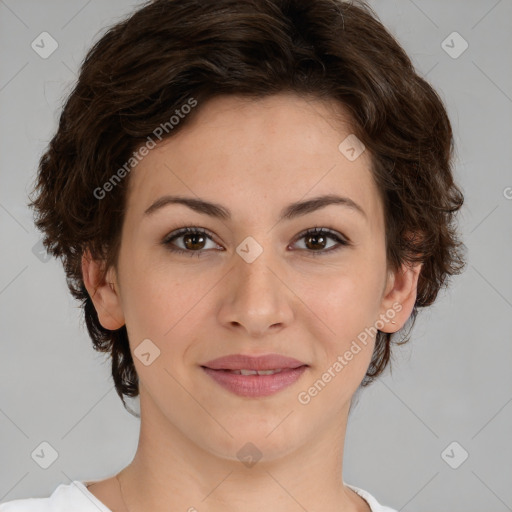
(247, 362)
(254, 376)
(251, 372)
(255, 383)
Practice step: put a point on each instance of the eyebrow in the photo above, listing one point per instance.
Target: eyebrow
(289, 212)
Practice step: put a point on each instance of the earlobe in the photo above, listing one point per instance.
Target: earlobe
(400, 296)
(103, 292)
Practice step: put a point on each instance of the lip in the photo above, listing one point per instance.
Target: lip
(247, 362)
(255, 385)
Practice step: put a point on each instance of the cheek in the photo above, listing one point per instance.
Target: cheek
(346, 301)
(150, 310)
(345, 307)
(162, 312)
(166, 307)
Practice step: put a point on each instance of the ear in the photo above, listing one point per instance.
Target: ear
(104, 292)
(399, 296)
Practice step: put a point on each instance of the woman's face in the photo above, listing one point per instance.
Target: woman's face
(257, 286)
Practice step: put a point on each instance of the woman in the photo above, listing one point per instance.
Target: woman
(291, 148)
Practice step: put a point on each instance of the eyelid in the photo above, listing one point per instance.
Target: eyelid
(324, 229)
(179, 232)
(340, 239)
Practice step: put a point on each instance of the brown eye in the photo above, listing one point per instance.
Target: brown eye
(316, 240)
(194, 240)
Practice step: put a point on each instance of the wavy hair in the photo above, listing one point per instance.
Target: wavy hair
(149, 64)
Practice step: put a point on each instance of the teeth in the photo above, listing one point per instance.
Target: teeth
(255, 372)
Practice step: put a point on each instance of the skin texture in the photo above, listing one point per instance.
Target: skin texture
(254, 157)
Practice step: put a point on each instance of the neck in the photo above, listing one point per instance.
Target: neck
(169, 468)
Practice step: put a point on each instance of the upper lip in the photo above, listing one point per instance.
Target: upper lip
(247, 362)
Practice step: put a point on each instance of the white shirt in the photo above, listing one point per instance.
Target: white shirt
(75, 497)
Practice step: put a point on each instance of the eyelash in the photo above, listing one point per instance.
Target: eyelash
(314, 231)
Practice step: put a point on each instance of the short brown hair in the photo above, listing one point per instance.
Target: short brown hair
(148, 65)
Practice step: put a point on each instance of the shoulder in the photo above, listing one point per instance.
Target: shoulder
(73, 497)
(375, 506)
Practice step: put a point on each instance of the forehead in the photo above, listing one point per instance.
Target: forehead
(256, 156)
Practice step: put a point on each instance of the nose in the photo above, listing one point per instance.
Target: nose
(256, 297)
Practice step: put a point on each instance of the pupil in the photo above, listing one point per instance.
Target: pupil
(316, 237)
(195, 243)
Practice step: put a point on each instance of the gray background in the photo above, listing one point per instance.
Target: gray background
(453, 382)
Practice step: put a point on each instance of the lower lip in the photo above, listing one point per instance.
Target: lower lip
(255, 385)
